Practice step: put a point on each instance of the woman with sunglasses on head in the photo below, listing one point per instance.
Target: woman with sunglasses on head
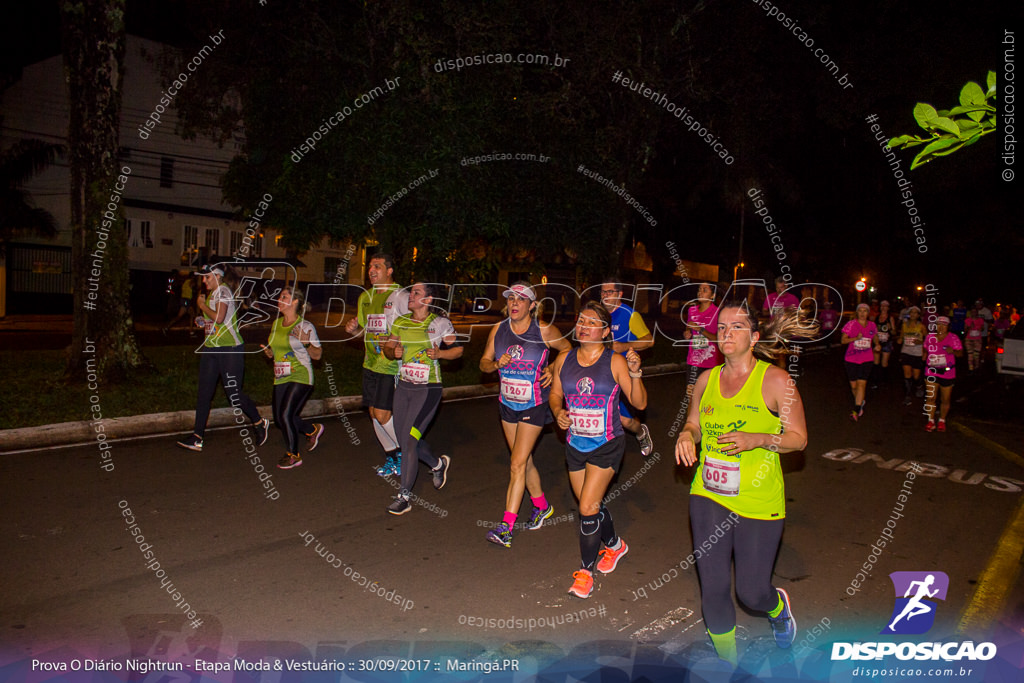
(221, 358)
(293, 345)
(518, 348)
(585, 402)
(744, 414)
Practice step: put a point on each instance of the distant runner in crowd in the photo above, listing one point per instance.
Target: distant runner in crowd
(942, 348)
(911, 341)
(861, 335)
(628, 333)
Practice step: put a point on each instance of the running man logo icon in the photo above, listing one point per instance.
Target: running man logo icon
(515, 351)
(585, 386)
(916, 593)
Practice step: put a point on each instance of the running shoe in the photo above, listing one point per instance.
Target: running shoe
(289, 461)
(610, 558)
(853, 415)
(392, 465)
(930, 427)
(261, 428)
(644, 439)
(583, 583)
(400, 505)
(193, 443)
(907, 401)
(500, 535)
(784, 625)
(860, 413)
(942, 425)
(441, 472)
(314, 438)
(538, 517)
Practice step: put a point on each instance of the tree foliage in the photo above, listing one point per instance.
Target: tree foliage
(284, 72)
(951, 129)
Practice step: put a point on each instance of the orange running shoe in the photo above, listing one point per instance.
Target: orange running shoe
(583, 585)
(610, 558)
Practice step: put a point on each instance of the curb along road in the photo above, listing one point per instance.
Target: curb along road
(83, 433)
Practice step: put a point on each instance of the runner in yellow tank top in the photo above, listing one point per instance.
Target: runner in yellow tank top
(745, 413)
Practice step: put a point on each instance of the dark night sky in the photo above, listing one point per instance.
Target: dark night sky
(842, 212)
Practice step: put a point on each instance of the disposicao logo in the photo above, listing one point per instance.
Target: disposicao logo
(916, 596)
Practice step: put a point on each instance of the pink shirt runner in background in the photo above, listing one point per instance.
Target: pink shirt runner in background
(938, 355)
(859, 350)
(703, 352)
(784, 300)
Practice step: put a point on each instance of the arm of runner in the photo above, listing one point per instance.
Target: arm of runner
(487, 362)
(554, 338)
(686, 444)
(310, 339)
(452, 351)
(623, 370)
(393, 348)
(644, 338)
(556, 400)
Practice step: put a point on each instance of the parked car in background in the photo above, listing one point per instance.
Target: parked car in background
(1010, 352)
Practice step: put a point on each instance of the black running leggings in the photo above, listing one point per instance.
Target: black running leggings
(415, 406)
(755, 543)
(288, 401)
(226, 364)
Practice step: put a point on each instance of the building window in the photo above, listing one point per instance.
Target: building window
(166, 172)
(212, 242)
(190, 243)
(236, 242)
(146, 234)
(133, 240)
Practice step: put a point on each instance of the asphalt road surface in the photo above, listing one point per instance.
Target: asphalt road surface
(313, 569)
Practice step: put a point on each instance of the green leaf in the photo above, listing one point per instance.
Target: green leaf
(943, 123)
(924, 114)
(991, 82)
(974, 137)
(949, 150)
(971, 94)
(940, 144)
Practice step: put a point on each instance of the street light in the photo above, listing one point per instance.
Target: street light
(735, 269)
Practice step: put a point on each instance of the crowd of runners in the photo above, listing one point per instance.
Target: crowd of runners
(737, 399)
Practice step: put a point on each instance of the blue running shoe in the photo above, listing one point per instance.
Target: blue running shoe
(538, 517)
(784, 625)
